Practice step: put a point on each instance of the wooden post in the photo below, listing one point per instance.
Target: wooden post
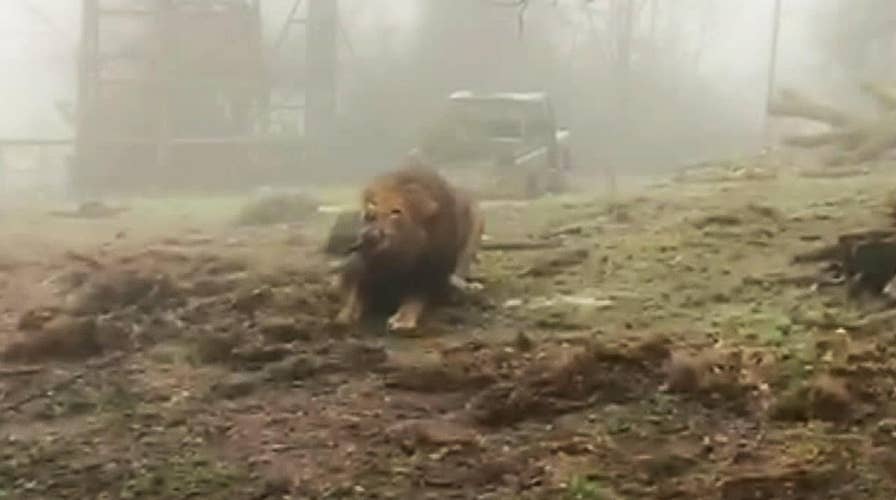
(291, 19)
(263, 96)
(320, 89)
(4, 177)
(772, 68)
(624, 19)
(164, 81)
(85, 147)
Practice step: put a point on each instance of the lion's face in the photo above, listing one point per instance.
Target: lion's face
(393, 223)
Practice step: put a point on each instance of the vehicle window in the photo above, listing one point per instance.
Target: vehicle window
(503, 128)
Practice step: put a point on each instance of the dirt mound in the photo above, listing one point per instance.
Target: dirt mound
(794, 483)
(437, 377)
(514, 382)
(237, 386)
(114, 290)
(823, 398)
(115, 302)
(277, 209)
(412, 434)
(468, 367)
(67, 338)
(566, 381)
(716, 378)
(100, 311)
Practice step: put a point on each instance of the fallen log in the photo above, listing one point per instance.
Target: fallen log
(791, 104)
(884, 95)
(855, 139)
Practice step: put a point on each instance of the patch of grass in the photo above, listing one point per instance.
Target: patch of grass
(773, 332)
(584, 488)
(796, 367)
(8, 476)
(198, 209)
(167, 354)
(620, 424)
(112, 398)
(67, 405)
(189, 475)
(117, 397)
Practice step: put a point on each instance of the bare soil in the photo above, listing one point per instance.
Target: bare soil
(666, 347)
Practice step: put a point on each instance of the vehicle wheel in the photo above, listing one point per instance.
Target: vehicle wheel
(532, 189)
(558, 177)
(557, 181)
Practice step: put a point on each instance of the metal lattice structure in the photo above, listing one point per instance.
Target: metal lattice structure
(176, 93)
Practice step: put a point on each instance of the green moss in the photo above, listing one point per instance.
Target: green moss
(584, 488)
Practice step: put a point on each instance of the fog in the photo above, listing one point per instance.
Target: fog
(696, 89)
(38, 50)
(672, 282)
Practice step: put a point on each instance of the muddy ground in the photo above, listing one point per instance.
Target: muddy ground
(665, 346)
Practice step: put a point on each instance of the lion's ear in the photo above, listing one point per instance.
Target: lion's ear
(422, 202)
(366, 196)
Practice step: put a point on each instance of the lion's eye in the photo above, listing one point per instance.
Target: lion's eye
(395, 212)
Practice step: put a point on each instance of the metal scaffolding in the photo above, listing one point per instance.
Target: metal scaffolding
(178, 94)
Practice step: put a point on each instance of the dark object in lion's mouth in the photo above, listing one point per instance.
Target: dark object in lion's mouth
(343, 238)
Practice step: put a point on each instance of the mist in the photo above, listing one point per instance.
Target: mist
(431, 249)
(696, 88)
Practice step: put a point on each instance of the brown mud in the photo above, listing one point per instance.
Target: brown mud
(675, 352)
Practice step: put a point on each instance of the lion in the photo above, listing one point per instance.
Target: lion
(418, 236)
